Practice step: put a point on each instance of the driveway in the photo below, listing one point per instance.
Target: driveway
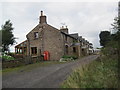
(43, 77)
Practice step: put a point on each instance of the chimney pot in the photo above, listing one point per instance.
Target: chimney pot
(41, 13)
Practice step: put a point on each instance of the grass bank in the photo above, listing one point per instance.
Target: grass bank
(102, 73)
(30, 66)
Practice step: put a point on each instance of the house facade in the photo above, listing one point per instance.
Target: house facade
(58, 42)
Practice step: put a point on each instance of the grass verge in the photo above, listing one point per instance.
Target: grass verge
(30, 66)
(101, 73)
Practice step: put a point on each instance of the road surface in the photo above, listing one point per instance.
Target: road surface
(43, 77)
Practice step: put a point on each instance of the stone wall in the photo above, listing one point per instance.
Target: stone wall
(32, 42)
(53, 42)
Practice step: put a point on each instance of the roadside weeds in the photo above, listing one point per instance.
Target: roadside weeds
(101, 73)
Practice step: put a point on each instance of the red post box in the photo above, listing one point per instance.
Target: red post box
(46, 55)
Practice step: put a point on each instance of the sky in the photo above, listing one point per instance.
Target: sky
(87, 19)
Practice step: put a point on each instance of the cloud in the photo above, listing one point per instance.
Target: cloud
(86, 18)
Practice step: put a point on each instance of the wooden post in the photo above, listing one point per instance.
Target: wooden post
(22, 50)
(17, 51)
(26, 50)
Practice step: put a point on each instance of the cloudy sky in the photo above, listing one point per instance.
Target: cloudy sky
(85, 18)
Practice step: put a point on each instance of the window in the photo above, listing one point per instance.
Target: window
(34, 50)
(35, 35)
(74, 49)
(66, 49)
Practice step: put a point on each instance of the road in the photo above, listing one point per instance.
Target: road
(43, 77)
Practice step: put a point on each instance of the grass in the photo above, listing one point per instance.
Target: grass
(30, 66)
(101, 73)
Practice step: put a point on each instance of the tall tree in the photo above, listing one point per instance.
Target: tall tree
(115, 23)
(7, 36)
(104, 38)
(116, 28)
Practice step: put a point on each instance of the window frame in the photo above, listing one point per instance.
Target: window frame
(36, 35)
(33, 50)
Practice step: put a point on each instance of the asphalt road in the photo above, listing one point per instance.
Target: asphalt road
(43, 77)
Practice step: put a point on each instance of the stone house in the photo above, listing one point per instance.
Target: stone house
(44, 37)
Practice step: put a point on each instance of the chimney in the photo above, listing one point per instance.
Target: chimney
(64, 29)
(42, 18)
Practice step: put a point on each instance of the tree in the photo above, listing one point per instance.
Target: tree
(116, 28)
(115, 23)
(104, 38)
(7, 36)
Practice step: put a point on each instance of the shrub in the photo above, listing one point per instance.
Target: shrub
(7, 57)
(11, 54)
(68, 58)
(65, 56)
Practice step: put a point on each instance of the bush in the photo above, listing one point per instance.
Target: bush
(74, 57)
(11, 54)
(7, 57)
(67, 58)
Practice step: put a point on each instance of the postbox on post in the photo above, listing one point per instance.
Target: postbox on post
(46, 55)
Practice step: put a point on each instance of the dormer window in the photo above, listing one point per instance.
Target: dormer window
(35, 35)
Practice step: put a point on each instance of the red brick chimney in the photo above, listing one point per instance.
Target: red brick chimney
(42, 18)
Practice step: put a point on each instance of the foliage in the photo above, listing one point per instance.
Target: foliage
(104, 38)
(116, 28)
(11, 54)
(107, 37)
(116, 24)
(67, 58)
(112, 44)
(7, 36)
(6, 57)
(98, 74)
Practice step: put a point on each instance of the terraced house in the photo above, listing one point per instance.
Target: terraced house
(56, 42)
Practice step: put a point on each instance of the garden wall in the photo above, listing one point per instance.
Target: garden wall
(20, 62)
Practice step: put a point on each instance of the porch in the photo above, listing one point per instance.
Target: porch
(21, 49)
